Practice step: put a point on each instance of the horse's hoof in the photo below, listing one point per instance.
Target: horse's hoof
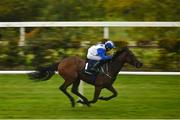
(84, 103)
(80, 101)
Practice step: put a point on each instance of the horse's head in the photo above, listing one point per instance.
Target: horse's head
(128, 57)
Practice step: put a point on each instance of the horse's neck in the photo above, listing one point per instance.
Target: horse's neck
(115, 66)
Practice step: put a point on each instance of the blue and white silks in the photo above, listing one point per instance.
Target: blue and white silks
(98, 53)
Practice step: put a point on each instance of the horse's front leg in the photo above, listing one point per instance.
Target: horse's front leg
(96, 94)
(111, 88)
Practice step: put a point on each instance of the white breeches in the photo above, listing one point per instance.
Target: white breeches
(92, 57)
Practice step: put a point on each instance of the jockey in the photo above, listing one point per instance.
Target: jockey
(97, 53)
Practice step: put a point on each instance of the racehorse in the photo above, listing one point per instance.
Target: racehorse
(71, 69)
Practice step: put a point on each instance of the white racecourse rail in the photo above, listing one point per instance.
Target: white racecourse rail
(122, 73)
(90, 24)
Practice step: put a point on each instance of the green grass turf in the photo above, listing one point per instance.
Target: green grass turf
(139, 97)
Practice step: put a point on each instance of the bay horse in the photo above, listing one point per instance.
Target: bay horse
(71, 69)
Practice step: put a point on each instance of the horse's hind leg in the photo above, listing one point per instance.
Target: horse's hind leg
(63, 88)
(75, 91)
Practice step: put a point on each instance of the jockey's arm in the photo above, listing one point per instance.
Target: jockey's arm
(102, 53)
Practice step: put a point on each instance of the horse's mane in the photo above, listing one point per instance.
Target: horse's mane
(120, 51)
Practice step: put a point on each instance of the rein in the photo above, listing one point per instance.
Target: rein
(106, 71)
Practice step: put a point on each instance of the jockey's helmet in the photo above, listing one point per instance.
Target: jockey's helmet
(109, 44)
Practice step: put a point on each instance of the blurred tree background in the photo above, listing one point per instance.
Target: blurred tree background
(158, 48)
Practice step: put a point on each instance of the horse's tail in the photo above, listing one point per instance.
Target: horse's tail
(44, 73)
